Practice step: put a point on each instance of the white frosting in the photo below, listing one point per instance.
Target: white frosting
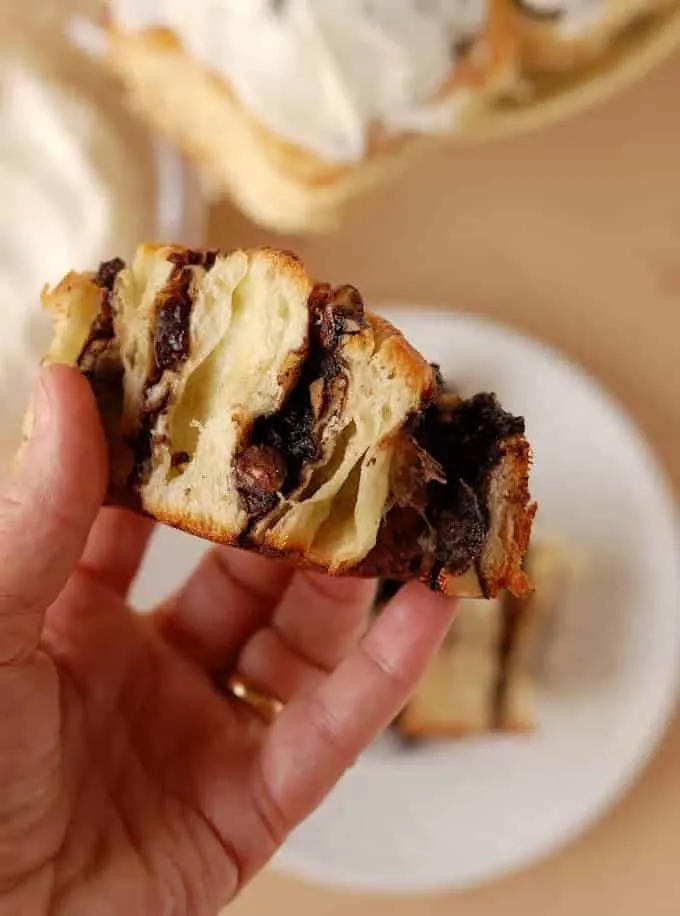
(56, 214)
(321, 72)
(575, 18)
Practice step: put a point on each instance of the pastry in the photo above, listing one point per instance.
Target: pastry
(559, 35)
(250, 406)
(292, 107)
(484, 678)
(528, 628)
(458, 694)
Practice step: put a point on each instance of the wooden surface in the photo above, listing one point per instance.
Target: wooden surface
(573, 235)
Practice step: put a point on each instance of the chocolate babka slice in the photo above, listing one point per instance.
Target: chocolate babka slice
(245, 404)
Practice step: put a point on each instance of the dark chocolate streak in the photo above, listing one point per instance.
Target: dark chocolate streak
(468, 440)
(108, 272)
(171, 336)
(467, 443)
(102, 330)
(290, 433)
(98, 360)
(194, 258)
(171, 347)
(259, 475)
(179, 459)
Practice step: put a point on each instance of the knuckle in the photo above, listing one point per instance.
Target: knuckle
(270, 813)
(384, 668)
(326, 726)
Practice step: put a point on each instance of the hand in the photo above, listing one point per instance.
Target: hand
(129, 783)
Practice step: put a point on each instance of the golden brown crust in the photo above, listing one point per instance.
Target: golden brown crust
(503, 569)
(406, 360)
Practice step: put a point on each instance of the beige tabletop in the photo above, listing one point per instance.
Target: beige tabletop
(571, 234)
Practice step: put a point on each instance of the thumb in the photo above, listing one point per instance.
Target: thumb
(48, 506)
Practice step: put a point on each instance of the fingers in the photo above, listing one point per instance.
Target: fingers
(322, 617)
(337, 721)
(317, 623)
(116, 546)
(48, 506)
(231, 594)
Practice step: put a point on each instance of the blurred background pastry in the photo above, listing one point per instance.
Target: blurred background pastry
(562, 34)
(488, 672)
(293, 107)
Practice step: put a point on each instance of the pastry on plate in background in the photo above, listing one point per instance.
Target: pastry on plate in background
(484, 679)
(292, 107)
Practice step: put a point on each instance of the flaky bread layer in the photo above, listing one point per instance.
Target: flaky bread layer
(245, 404)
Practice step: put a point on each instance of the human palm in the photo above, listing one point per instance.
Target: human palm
(131, 781)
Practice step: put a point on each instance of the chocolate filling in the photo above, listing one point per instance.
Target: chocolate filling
(290, 438)
(171, 347)
(102, 330)
(171, 336)
(194, 258)
(180, 459)
(99, 360)
(446, 524)
(108, 272)
(467, 442)
(259, 474)
(460, 528)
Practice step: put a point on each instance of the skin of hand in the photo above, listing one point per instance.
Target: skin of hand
(129, 783)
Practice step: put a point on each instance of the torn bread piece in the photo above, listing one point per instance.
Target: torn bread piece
(245, 404)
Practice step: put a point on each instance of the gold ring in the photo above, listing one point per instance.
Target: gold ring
(266, 707)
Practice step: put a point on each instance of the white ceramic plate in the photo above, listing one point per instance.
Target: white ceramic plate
(460, 813)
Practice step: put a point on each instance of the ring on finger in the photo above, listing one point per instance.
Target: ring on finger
(266, 707)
